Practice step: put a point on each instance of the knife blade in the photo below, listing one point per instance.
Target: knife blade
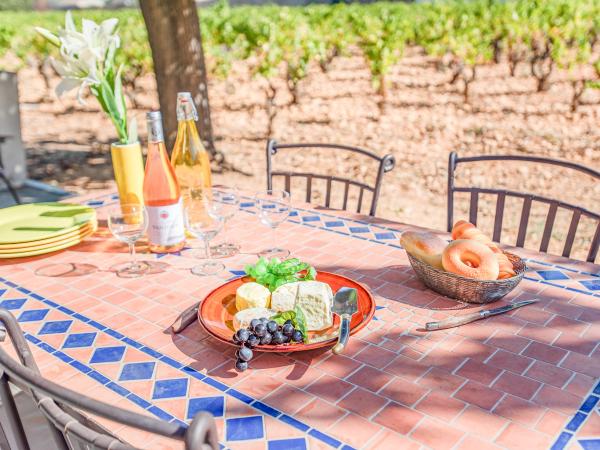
(468, 318)
(345, 304)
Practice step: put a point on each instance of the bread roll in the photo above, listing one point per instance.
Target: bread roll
(426, 247)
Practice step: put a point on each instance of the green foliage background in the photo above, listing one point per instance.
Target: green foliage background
(470, 33)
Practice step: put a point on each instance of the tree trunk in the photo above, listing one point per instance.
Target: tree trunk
(174, 35)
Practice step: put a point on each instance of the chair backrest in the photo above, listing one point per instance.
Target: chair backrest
(71, 429)
(528, 199)
(385, 164)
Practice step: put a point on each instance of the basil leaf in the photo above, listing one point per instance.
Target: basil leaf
(300, 322)
(282, 317)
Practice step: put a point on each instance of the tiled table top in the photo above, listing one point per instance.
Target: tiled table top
(524, 380)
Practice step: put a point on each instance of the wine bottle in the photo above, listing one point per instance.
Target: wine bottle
(189, 157)
(162, 196)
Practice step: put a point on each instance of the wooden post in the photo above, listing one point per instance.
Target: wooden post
(174, 35)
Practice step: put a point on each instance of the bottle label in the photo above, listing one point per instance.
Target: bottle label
(165, 224)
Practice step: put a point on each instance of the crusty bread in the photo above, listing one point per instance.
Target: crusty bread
(424, 246)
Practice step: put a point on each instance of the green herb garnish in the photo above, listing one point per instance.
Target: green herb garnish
(275, 273)
(296, 316)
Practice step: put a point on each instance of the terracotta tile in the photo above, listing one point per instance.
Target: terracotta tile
(319, 414)
(583, 364)
(575, 343)
(339, 366)
(440, 405)
(362, 402)
(480, 422)
(516, 385)
(398, 418)
(362, 430)
(387, 439)
(375, 356)
(403, 392)
(369, 378)
(558, 399)
(288, 399)
(517, 437)
(480, 372)
(258, 386)
(478, 394)
(549, 373)
(580, 385)
(474, 350)
(567, 325)
(329, 388)
(544, 352)
(591, 427)
(316, 444)
(539, 333)
(275, 429)
(474, 443)
(550, 422)
(509, 361)
(436, 434)
(519, 410)
(442, 380)
(533, 314)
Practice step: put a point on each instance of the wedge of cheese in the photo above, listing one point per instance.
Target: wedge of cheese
(252, 295)
(313, 297)
(243, 318)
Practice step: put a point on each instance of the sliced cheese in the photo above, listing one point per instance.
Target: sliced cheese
(243, 318)
(284, 297)
(252, 295)
(315, 299)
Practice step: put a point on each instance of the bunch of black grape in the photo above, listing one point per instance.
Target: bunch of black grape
(262, 332)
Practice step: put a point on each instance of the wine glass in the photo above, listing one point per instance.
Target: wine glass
(273, 209)
(205, 226)
(128, 223)
(222, 202)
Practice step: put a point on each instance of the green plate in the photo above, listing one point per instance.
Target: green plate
(35, 221)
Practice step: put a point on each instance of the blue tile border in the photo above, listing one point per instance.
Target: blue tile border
(187, 370)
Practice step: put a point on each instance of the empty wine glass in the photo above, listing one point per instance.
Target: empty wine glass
(205, 226)
(273, 209)
(128, 223)
(222, 202)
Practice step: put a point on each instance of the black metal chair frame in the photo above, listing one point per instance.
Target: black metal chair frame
(61, 405)
(386, 164)
(9, 185)
(528, 199)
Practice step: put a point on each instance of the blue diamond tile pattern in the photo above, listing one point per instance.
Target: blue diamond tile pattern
(137, 371)
(550, 275)
(33, 315)
(589, 444)
(244, 428)
(15, 303)
(385, 236)
(359, 229)
(108, 354)
(311, 219)
(213, 405)
(170, 388)
(288, 444)
(57, 327)
(592, 285)
(79, 340)
(334, 224)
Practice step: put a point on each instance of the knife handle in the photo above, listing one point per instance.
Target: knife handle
(185, 318)
(453, 321)
(344, 334)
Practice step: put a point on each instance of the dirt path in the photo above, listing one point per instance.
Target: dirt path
(424, 119)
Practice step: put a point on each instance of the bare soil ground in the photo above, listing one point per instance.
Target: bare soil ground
(424, 118)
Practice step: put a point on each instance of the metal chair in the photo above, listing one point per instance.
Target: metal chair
(385, 164)
(70, 429)
(3, 176)
(528, 199)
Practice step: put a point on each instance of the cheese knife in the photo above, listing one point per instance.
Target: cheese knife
(345, 304)
(468, 318)
(185, 318)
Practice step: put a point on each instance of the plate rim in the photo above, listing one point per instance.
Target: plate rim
(37, 252)
(283, 348)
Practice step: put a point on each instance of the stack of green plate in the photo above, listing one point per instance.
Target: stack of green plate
(39, 228)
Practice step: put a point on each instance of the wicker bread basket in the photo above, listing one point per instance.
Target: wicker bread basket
(468, 289)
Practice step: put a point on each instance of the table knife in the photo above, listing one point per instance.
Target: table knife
(345, 304)
(185, 318)
(468, 318)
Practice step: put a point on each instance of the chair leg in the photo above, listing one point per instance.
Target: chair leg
(14, 425)
(10, 187)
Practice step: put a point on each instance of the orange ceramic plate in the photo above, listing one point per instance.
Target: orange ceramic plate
(218, 308)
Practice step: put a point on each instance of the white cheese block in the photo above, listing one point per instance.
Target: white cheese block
(243, 318)
(252, 295)
(315, 299)
(284, 297)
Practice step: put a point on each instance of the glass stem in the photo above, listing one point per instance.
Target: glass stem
(275, 237)
(207, 248)
(132, 255)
